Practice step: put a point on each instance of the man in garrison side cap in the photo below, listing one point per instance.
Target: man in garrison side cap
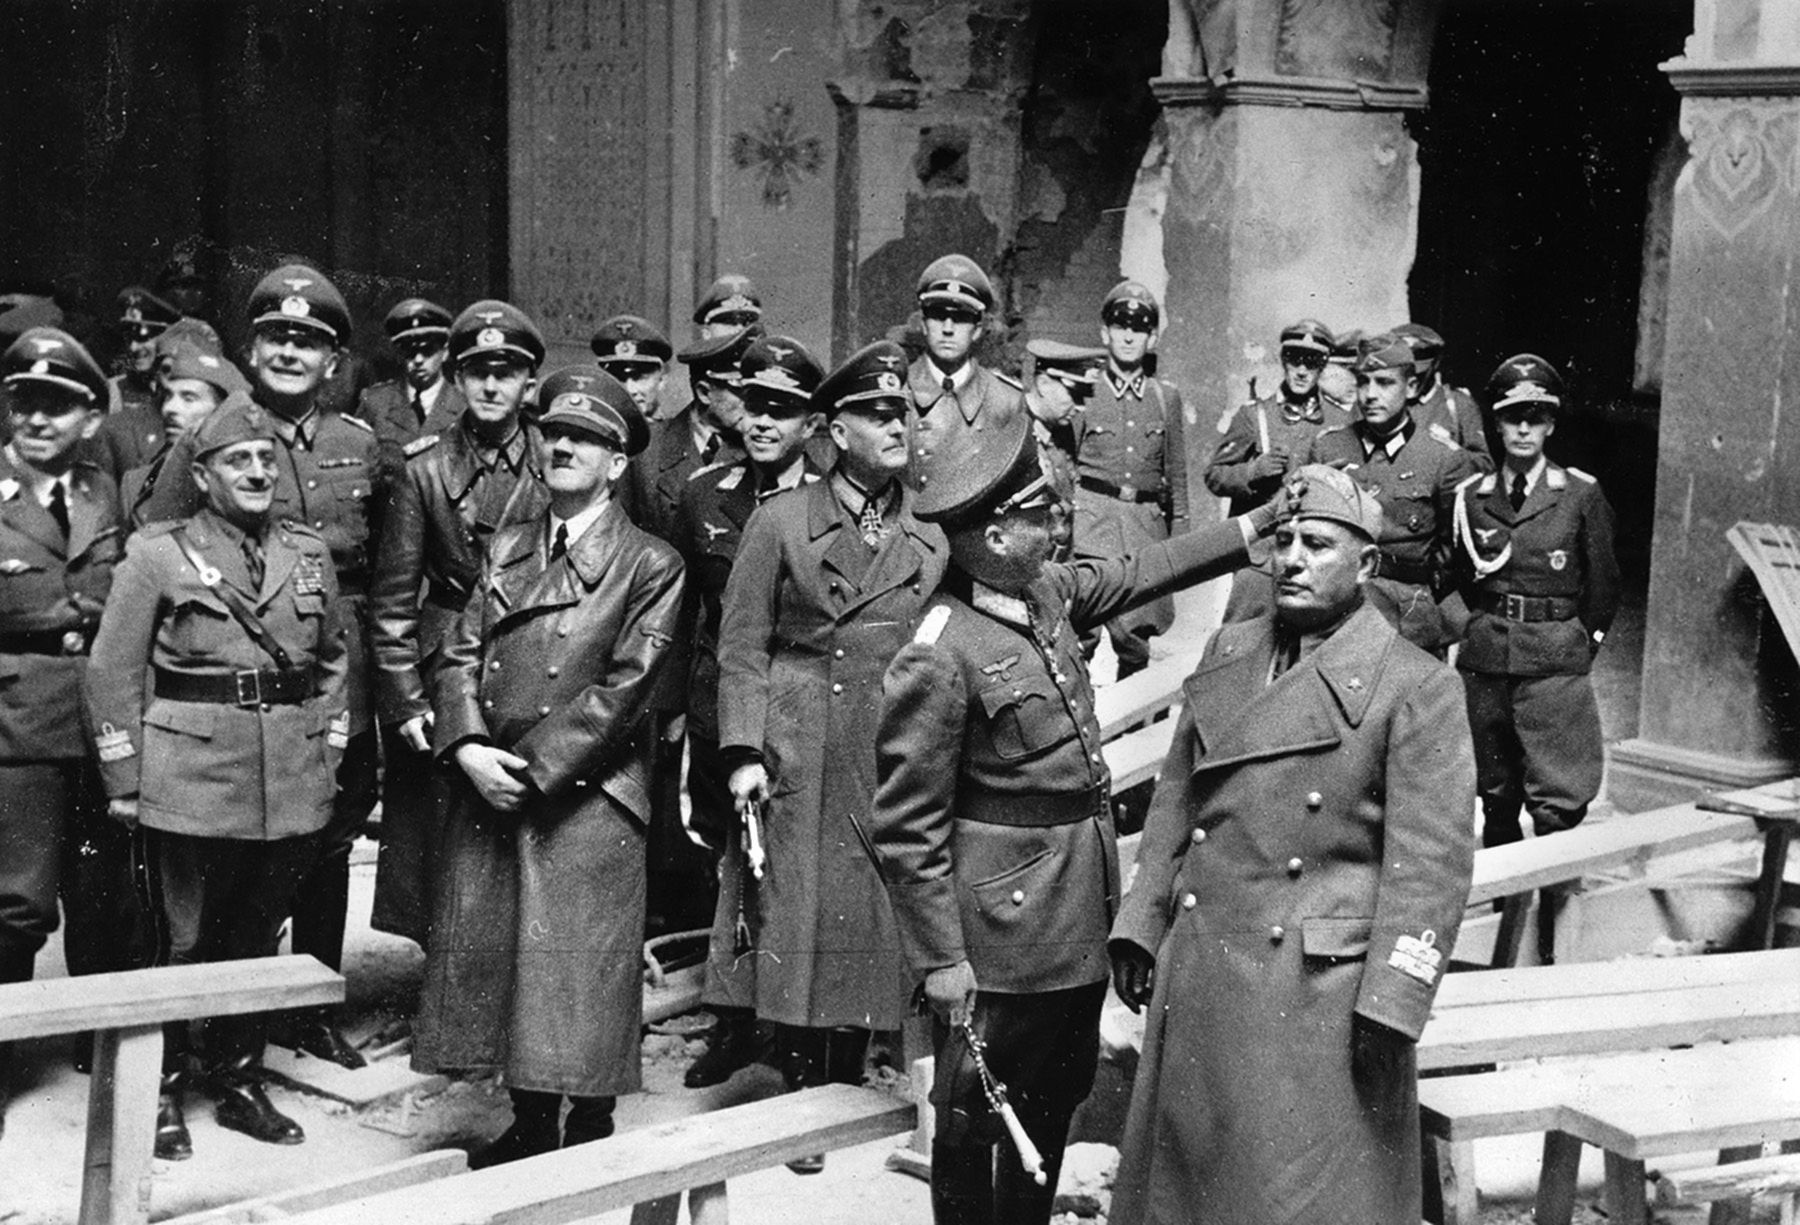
(1260, 440)
(331, 483)
(424, 399)
(456, 489)
(1300, 884)
(955, 397)
(218, 706)
(992, 819)
(535, 963)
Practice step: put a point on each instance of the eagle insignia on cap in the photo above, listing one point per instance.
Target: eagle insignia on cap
(46, 344)
(887, 381)
(490, 338)
(581, 380)
(888, 360)
(490, 317)
(736, 302)
(625, 348)
(780, 351)
(296, 306)
(297, 283)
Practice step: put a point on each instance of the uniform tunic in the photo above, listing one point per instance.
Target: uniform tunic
(132, 434)
(1131, 484)
(1305, 863)
(1453, 413)
(447, 503)
(812, 617)
(1415, 482)
(535, 961)
(394, 412)
(52, 590)
(982, 400)
(1539, 583)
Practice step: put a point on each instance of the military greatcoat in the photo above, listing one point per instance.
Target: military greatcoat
(1304, 866)
(535, 962)
(812, 618)
(942, 417)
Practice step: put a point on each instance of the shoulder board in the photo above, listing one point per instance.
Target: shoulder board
(931, 627)
(734, 476)
(1333, 429)
(1489, 483)
(421, 444)
(358, 422)
(1167, 386)
(1579, 475)
(1553, 479)
(297, 528)
(162, 527)
(1008, 379)
(1230, 415)
(810, 478)
(1438, 434)
(707, 469)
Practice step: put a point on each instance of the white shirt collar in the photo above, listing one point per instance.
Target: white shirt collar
(429, 397)
(958, 381)
(578, 525)
(1531, 478)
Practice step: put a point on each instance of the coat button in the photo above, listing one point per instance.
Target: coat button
(1018, 897)
(552, 671)
(838, 654)
(487, 704)
(1314, 800)
(837, 689)
(1197, 837)
(318, 525)
(1294, 866)
(1277, 934)
(1189, 901)
(542, 711)
(266, 708)
(312, 484)
(562, 631)
(493, 665)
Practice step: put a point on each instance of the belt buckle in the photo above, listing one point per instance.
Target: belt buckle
(1515, 607)
(249, 687)
(1128, 493)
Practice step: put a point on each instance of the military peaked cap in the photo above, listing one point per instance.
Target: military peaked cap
(594, 401)
(1525, 379)
(959, 281)
(491, 327)
(1131, 303)
(871, 375)
(627, 340)
(300, 296)
(50, 355)
(732, 299)
(417, 317)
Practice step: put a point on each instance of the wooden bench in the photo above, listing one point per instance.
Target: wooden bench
(127, 1011)
(1736, 1180)
(646, 1168)
(408, 1172)
(1634, 844)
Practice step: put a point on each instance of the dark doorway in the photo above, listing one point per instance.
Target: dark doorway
(1537, 159)
(366, 135)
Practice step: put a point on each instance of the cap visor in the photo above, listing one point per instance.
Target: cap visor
(301, 321)
(55, 380)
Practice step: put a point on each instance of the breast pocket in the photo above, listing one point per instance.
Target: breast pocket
(1025, 719)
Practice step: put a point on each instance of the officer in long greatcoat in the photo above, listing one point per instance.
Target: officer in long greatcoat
(1300, 884)
(827, 584)
(992, 817)
(535, 963)
(456, 488)
(1536, 569)
(217, 702)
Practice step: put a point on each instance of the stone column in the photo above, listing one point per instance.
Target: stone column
(1292, 185)
(1719, 694)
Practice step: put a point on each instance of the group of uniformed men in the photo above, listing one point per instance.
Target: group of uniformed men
(832, 626)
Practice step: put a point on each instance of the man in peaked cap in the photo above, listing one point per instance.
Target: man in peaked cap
(777, 379)
(633, 351)
(1439, 407)
(1260, 440)
(1535, 566)
(59, 542)
(953, 394)
(836, 572)
(539, 701)
(330, 482)
(456, 488)
(1414, 473)
(424, 400)
(730, 304)
(142, 318)
(1130, 460)
(992, 817)
(1302, 878)
(219, 734)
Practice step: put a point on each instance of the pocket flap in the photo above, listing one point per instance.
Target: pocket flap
(1335, 937)
(189, 718)
(998, 698)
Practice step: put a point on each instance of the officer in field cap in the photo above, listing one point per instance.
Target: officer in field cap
(962, 801)
(634, 351)
(1320, 767)
(142, 318)
(424, 399)
(1535, 567)
(730, 304)
(953, 394)
(1439, 407)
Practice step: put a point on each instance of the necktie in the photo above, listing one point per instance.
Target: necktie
(560, 545)
(418, 404)
(59, 507)
(710, 449)
(1517, 496)
(253, 560)
(949, 386)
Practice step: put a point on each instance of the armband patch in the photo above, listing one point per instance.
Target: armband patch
(1417, 956)
(113, 744)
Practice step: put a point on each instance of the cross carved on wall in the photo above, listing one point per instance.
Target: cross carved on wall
(778, 151)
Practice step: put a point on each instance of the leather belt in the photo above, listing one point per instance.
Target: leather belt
(1125, 493)
(44, 642)
(1527, 607)
(1026, 810)
(1404, 572)
(247, 688)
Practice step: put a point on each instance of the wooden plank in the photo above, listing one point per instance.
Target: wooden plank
(410, 1172)
(121, 1126)
(1630, 976)
(1150, 692)
(647, 1163)
(1688, 1114)
(1771, 550)
(1624, 842)
(48, 1006)
(1509, 1103)
(1574, 1025)
(1137, 757)
(1762, 1176)
(379, 1080)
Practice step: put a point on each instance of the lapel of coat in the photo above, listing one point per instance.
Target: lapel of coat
(280, 556)
(24, 513)
(925, 390)
(90, 515)
(1543, 496)
(845, 554)
(460, 464)
(901, 556)
(222, 553)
